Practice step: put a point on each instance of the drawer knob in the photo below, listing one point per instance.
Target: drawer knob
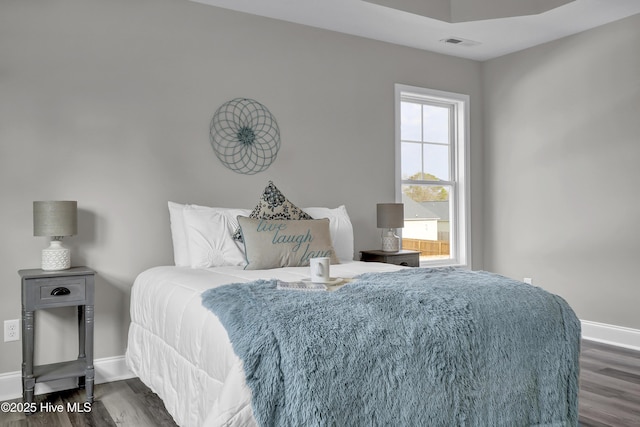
(60, 291)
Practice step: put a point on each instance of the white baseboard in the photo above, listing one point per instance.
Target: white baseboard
(611, 334)
(107, 369)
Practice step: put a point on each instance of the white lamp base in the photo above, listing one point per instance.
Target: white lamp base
(390, 242)
(56, 257)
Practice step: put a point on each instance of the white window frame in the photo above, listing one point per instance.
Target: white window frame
(459, 208)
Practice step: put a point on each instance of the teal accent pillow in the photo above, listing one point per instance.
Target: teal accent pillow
(273, 243)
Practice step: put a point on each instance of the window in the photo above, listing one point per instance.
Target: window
(432, 173)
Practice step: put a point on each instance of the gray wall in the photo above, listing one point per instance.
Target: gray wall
(562, 141)
(108, 103)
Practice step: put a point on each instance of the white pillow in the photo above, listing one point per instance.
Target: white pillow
(340, 228)
(209, 238)
(179, 235)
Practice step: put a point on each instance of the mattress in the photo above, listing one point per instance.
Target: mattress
(181, 351)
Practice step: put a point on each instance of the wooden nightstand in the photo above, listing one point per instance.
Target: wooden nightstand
(402, 257)
(48, 289)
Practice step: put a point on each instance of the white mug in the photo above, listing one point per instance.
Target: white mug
(320, 269)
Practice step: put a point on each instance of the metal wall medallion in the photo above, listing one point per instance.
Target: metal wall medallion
(245, 136)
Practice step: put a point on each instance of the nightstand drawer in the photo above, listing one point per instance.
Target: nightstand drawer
(406, 260)
(57, 292)
(403, 257)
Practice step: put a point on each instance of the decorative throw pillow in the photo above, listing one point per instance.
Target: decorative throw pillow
(275, 243)
(274, 205)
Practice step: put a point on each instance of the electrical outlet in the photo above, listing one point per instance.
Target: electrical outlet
(528, 280)
(12, 330)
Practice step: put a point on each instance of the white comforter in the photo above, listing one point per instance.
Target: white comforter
(182, 352)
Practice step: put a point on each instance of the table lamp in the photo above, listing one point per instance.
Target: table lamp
(390, 217)
(55, 219)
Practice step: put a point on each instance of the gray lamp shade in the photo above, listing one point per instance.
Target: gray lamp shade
(390, 215)
(59, 218)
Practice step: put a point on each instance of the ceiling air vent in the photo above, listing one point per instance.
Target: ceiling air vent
(458, 41)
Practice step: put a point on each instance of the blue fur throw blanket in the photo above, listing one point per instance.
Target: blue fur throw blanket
(416, 347)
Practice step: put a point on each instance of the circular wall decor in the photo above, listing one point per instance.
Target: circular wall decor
(245, 136)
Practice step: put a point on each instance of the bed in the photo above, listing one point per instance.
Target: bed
(183, 352)
(192, 342)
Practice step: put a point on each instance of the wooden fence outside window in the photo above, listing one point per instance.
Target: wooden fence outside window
(427, 247)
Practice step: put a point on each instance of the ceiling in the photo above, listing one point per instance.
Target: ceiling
(482, 39)
(471, 10)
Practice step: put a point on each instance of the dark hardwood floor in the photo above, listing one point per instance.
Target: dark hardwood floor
(609, 386)
(119, 403)
(609, 396)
